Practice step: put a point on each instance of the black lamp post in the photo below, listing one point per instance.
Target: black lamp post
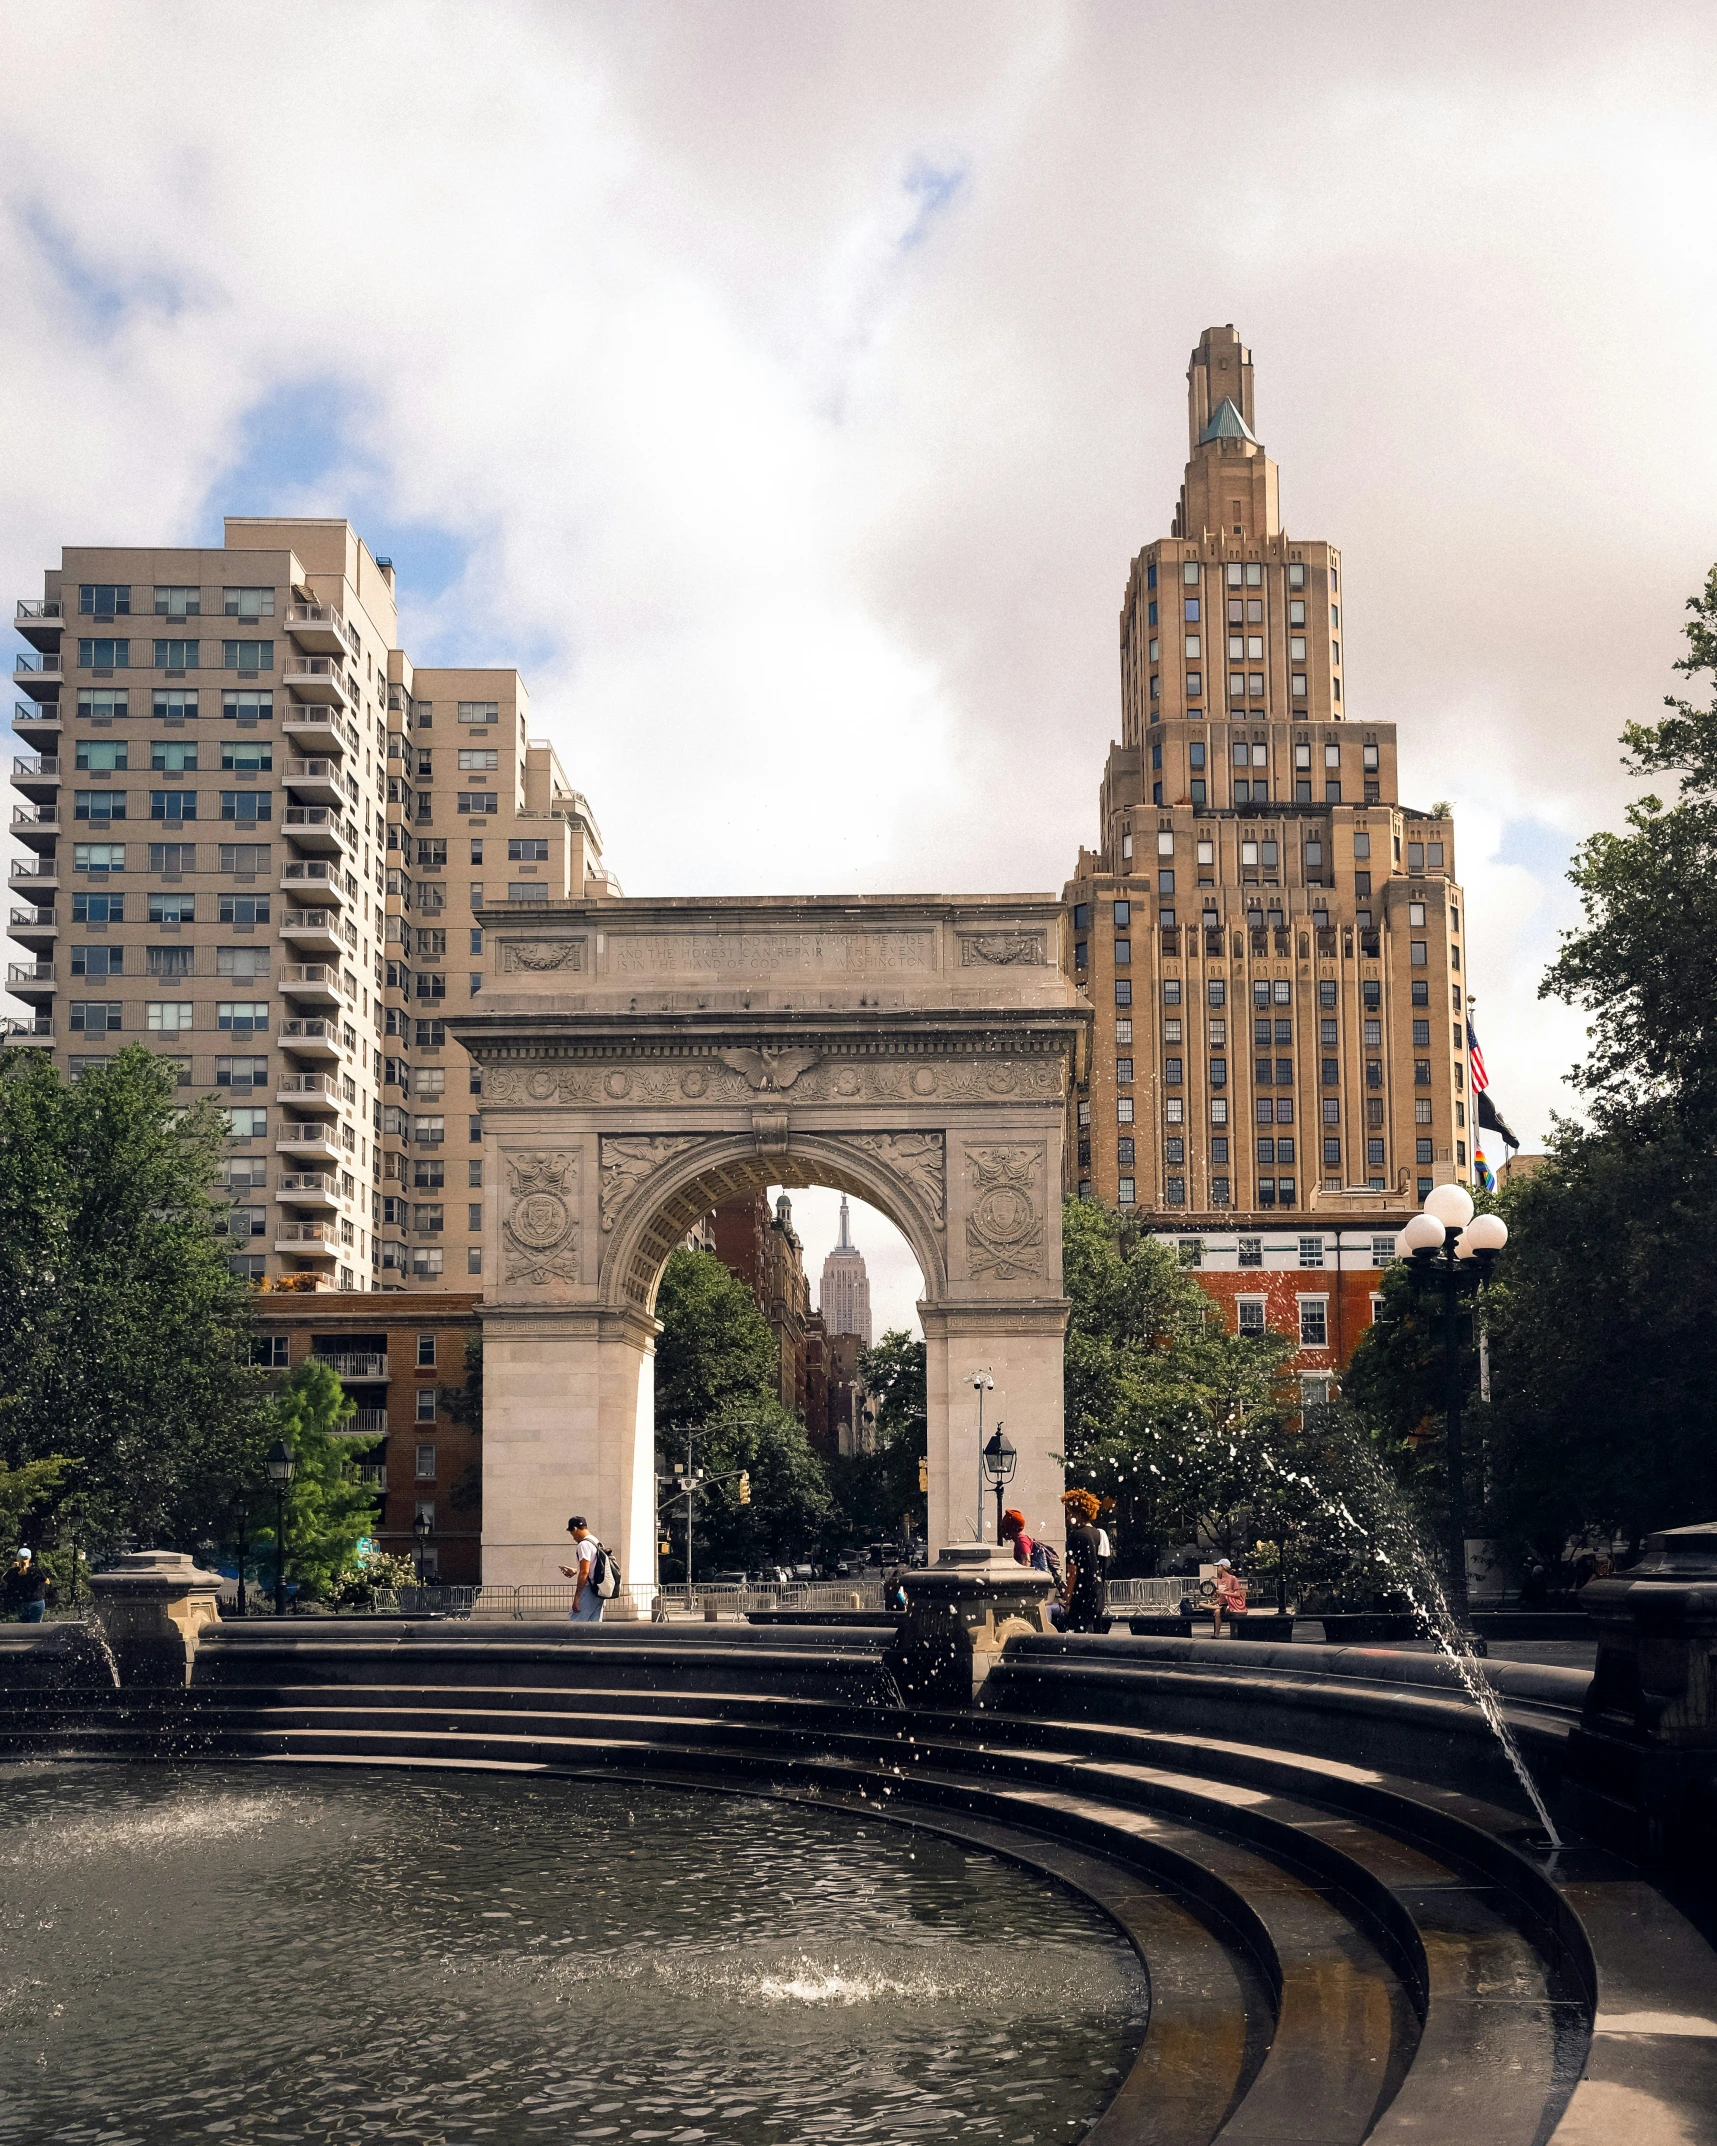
(1452, 1253)
(423, 1527)
(1000, 1461)
(280, 1471)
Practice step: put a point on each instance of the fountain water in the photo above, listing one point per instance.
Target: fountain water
(1395, 1544)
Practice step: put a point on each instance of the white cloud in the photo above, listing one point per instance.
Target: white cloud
(811, 492)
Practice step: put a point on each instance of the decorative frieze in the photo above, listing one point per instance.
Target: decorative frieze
(628, 1159)
(542, 954)
(1004, 1231)
(737, 1075)
(1003, 949)
(919, 1159)
(540, 1228)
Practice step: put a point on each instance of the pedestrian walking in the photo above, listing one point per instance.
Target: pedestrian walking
(1082, 1589)
(590, 1572)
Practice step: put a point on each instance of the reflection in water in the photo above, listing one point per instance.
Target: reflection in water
(235, 1954)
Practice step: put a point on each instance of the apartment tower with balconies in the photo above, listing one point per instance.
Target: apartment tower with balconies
(256, 840)
(1272, 941)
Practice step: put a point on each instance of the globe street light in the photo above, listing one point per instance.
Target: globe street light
(1000, 1461)
(422, 1527)
(1451, 1251)
(280, 1469)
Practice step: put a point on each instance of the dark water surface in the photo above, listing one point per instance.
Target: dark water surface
(249, 1954)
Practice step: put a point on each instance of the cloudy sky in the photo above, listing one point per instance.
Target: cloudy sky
(786, 386)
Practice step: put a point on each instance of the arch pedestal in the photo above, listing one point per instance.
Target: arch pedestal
(643, 1061)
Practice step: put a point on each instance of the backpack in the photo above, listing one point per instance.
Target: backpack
(604, 1573)
(1045, 1559)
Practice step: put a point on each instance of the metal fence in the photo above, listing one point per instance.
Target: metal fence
(1158, 1597)
(636, 1600)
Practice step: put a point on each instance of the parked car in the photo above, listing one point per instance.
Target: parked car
(803, 1575)
(727, 1579)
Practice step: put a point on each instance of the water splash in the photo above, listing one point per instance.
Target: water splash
(1403, 1556)
(185, 1821)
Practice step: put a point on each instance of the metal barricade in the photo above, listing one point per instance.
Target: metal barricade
(1156, 1597)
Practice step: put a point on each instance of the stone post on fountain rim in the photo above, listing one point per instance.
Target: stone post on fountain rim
(960, 1614)
(151, 1606)
(1641, 1768)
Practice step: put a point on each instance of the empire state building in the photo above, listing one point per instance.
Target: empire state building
(844, 1298)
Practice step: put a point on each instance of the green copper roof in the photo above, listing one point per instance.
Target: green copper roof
(1227, 424)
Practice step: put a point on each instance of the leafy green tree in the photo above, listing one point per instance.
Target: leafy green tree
(717, 1367)
(1643, 962)
(124, 1337)
(875, 1492)
(1166, 1411)
(328, 1509)
(715, 1345)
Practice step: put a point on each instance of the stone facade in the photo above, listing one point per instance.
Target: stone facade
(687, 1053)
(1267, 935)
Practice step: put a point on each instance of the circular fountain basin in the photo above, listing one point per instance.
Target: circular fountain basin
(215, 1951)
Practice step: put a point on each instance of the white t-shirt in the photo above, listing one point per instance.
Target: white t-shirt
(1103, 1549)
(586, 1559)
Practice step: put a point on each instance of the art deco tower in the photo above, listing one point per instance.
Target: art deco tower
(844, 1297)
(1272, 942)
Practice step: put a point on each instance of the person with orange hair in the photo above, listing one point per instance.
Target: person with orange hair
(1083, 1589)
(1013, 1530)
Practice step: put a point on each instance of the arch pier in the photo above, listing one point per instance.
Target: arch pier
(644, 1060)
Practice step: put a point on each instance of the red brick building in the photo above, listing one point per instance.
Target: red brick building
(402, 1359)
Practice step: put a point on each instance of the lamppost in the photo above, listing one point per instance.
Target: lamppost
(241, 1518)
(982, 1383)
(423, 1527)
(1452, 1253)
(1000, 1460)
(280, 1471)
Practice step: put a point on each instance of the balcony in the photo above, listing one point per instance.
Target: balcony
(32, 722)
(317, 730)
(319, 680)
(41, 824)
(31, 979)
(310, 1039)
(313, 875)
(316, 929)
(313, 983)
(309, 1091)
(40, 622)
(308, 1240)
(317, 781)
(362, 1364)
(13, 1030)
(308, 1143)
(40, 676)
(369, 1423)
(309, 1188)
(318, 827)
(34, 875)
(31, 924)
(318, 627)
(36, 774)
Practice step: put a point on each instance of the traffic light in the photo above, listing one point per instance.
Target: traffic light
(744, 1486)
(923, 1474)
(665, 1547)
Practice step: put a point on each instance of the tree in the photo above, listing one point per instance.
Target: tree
(717, 1367)
(1166, 1411)
(715, 1345)
(1644, 961)
(875, 1492)
(328, 1510)
(124, 1337)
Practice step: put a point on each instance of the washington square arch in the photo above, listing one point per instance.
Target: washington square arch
(644, 1060)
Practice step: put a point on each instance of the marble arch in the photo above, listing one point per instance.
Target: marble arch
(642, 1060)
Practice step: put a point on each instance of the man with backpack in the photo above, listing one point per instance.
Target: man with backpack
(596, 1573)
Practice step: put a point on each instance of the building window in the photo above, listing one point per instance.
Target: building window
(1251, 1315)
(478, 801)
(426, 1406)
(247, 657)
(104, 599)
(1171, 1074)
(1314, 1322)
(1124, 990)
(1125, 1195)
(427, 1261)
(1175, 1191)
(104, 655)
(1124, 1110)
(241, 1017)
(96, 1017)
(1174, 1111)
(1314, 1389)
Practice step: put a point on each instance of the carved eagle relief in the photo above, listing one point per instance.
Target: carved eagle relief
(772, 1071)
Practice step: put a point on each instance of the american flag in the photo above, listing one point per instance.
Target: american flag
(1481, 1079)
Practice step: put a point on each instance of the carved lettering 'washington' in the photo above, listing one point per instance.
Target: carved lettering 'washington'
(615, 1118)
